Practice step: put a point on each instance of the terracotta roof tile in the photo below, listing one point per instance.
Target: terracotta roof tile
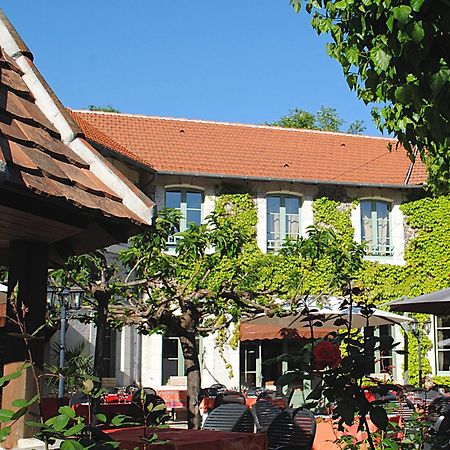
(238, 150)
(38, 161)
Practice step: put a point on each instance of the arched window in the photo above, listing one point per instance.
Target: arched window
(376, 227)
(283, 220)
(189, 202)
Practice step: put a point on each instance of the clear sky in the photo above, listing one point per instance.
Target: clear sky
(246, 61)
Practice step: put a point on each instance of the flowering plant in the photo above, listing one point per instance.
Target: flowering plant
(327, 354)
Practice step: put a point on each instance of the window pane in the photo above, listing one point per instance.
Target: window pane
(444, 361)
(292, 205)
(194, 200)
(366, 221)
(193, 216)
(273, 204)
(170, 348)
(382, 209)
(443, 321)
(292, 226)
(443, 338)
(173, 199)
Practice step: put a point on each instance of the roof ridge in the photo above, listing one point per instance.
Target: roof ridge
(238, 124)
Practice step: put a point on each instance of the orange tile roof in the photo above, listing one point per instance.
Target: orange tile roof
(233, 150)
(36, 159)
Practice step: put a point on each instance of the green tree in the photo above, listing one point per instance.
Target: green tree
(105, 108)
(395, 55)
(326, 119)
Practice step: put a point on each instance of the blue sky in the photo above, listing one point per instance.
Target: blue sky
(246, 61)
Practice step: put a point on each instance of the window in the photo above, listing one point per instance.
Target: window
(189, 203)
(443, 343)
(172, 357)
(375, 227)
(283, 220)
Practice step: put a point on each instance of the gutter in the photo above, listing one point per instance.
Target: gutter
(291, 180)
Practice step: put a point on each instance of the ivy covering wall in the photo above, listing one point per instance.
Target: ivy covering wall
(427, 258)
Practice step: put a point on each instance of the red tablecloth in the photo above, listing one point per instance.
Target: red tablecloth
(178, 439)
(109, 409)
(173, 398)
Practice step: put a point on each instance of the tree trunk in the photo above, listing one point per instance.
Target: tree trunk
(192, 367)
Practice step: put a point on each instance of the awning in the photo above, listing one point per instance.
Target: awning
(265, 327)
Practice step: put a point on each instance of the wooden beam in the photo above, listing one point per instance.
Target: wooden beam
(28, 266)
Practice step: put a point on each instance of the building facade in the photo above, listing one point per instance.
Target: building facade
(186, 165)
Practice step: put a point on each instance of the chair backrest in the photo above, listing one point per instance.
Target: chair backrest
(78, 397)
(306, 423)
(404, 409)
(295, 430)
(230, 397)
(281, 432)
(230, 417)
(264, 412)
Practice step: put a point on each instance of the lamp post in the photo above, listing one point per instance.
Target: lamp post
(416, 330)
(67, 299)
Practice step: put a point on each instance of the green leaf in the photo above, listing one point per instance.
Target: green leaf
(72, 445)
(416, 5)
(117, 420)
(160, 407)
(380, 58)
(418, 32)
(342, 4)
(101, 417)
(402, 13)
(379, 417)
(19, 413)
(67, 411)
(60, 422)
(76, 429)
(4, 433)
(6, 415)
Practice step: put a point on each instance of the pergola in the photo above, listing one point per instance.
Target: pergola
(58, 197)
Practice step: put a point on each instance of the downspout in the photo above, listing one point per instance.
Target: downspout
(138, 358)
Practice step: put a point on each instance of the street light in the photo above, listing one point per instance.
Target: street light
(67, 299)
(416, 330)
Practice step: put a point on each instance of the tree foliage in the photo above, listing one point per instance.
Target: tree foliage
(326, 119)
(104, 108)
(395, 55)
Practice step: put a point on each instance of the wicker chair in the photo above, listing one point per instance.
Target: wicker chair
(264, 412)
(230, 417)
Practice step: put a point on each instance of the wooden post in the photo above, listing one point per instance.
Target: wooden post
(28, 270)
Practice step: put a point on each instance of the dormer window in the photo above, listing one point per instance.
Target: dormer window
(189, 203)
(283, 220)
(376, 227)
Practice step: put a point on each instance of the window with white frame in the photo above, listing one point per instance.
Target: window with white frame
(376, 227)
(189, 203)
(283, 220)
(443, 343)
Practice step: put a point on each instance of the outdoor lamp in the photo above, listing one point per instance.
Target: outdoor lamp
(68, 299)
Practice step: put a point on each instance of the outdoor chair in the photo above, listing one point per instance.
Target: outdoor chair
(295, 431)
(77, 398)
(227, 397)
(306, 423)
(138, 409)
(264, 412)
(438, 407)
(230, 417)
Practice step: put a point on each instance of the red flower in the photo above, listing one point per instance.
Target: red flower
(327, 354)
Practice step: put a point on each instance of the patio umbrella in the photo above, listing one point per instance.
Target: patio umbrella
(437, 303)
(358, 318)
(254, 328)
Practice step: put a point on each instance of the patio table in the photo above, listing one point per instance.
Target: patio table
(179, 439)
(109, 409)
(327, 432)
